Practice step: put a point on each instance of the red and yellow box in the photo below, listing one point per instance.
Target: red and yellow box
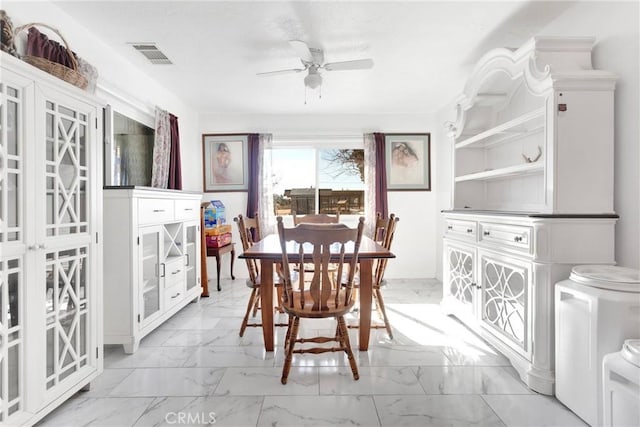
(217, 240)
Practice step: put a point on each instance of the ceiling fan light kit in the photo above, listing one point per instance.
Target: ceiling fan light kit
(313, 61)
(313, 80)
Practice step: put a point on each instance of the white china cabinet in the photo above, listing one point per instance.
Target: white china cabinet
(152, 259)
(532, 193)
(50, 241)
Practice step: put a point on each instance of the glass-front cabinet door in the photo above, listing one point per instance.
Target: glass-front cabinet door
(151, 272)
(192, 249)
(12, 245)
(67, 236)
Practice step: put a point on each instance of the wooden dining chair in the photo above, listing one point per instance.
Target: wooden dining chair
(378, 278)
(384, 231)
(315, 218)
(249, 229)
(320, 299)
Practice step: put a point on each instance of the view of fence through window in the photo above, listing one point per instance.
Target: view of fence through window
(313, 180)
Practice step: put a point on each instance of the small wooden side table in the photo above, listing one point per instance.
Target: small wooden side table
(218, 252)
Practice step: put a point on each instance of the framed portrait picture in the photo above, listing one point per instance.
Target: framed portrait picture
(408, 161)
(224, 162)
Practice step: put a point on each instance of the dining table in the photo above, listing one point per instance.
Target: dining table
(269, 252)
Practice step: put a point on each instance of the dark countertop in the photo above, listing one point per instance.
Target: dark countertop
(527, 214)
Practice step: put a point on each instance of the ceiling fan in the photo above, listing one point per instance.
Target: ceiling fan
(313, 61)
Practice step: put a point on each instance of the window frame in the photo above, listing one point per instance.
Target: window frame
(318, 143)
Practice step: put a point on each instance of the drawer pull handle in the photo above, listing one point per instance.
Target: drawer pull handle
(450, 227)
(518, 239)
(469, 230)
(486, 233)
(188, 209)
(188, 259)
(158, 210)
(164, 273)
(176, 272)
(176, 295)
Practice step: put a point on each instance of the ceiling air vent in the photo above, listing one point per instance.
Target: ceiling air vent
(152, 53)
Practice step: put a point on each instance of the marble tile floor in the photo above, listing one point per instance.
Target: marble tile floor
(195, 370)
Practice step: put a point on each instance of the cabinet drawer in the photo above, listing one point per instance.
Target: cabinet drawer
(174, 272)
(154, 211)
(187, 209)
(173, 295)
(460, 229)
(511, 235)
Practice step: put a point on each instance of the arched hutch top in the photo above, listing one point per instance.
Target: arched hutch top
(531, 127)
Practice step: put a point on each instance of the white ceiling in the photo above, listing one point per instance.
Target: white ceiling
(422, 50)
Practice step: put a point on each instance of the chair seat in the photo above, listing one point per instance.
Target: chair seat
(308, 312)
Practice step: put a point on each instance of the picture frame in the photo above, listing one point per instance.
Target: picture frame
(408, 161)
(225, 162)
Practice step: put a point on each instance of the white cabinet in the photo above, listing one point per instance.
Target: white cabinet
(532, 193)
(152, 259)
(500, 281)
(50, 241)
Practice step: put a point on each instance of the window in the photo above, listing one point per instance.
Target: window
(317, 179)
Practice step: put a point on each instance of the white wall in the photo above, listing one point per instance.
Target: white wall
(615, 26)
(414, 243)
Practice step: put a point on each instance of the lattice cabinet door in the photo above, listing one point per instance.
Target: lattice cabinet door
(13, 92)
(460, 269)
(66, 223)
(505, 286)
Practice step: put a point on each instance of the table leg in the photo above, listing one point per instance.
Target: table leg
(233, 257)
(218, 270)
(366, 291)
(266, 301)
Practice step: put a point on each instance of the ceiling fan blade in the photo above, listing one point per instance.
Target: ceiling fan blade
(275, 73)
(302, 50)
(358, 64)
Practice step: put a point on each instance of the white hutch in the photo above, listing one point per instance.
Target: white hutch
(532, 194)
